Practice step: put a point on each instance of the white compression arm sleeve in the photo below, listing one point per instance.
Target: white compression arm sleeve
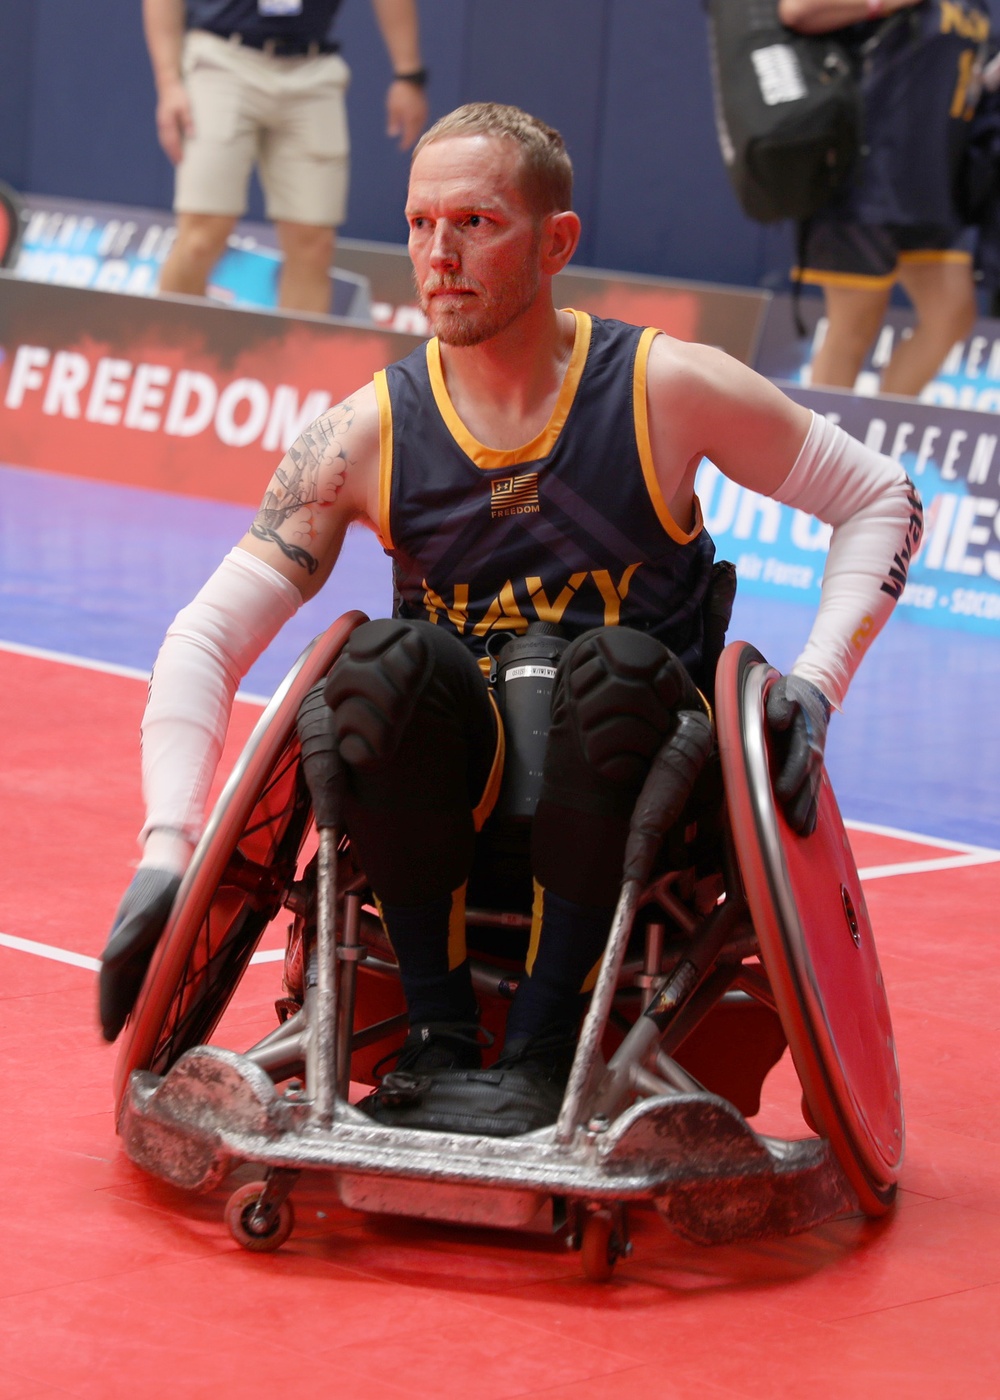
(877, 524)
(209, 647)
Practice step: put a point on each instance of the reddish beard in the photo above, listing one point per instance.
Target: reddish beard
(484, 316)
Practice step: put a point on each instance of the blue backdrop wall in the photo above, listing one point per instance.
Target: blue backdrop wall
(626, 81)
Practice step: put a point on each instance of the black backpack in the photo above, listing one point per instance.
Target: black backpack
(787, 108)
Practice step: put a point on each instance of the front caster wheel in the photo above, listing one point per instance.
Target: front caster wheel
(601, 1246)
(259, 1233)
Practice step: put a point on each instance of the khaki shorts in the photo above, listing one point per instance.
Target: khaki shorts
(287, 116)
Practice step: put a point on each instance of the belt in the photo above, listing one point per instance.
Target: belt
(278, 46)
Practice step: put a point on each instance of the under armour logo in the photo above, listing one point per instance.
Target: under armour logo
(514, 495)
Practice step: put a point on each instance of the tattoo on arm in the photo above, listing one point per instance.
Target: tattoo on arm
(308, 481)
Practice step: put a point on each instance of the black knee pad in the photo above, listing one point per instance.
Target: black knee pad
(616, 694)
(374, 687)
(416, 730)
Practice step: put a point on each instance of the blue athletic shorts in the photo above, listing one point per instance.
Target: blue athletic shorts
(840, 253)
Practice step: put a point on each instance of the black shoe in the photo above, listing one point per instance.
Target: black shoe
(430, 1048)
(434, 1045)
(521, 1092)
(546, 1056)
(536, 1069)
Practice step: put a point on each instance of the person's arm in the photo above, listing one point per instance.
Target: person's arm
(328, 478)
(164, 24)
(323, 483)
(405, 103)
(823, 16)
(702, 403)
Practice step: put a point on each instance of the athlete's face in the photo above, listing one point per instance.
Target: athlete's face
(474, 238)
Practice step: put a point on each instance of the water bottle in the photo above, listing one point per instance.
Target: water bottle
(523, 672)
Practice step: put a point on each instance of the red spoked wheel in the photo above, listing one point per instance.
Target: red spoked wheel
(816, 943)
(237, 882)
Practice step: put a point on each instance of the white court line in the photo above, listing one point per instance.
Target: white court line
(965, 854)
(107, 667)
(941, 842)
(272, 955)
(46, 950)
(922, 867)
(53, 954)
(874, 828)
(42, 654)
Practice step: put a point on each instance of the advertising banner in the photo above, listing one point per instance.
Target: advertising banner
(199, 400)
(729, 317)
(950, 455)
(114, 248)
(117, 248)
(969, 377)
(173, 394)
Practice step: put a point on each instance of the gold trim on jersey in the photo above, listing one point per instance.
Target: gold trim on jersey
(489, 458)
(640, 412)
(384, 457)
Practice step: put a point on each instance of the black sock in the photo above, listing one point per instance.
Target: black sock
(420, 936)
(571, 940)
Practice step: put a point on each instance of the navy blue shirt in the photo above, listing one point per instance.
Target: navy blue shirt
(314, 23)
(919, 86)
(571, 528)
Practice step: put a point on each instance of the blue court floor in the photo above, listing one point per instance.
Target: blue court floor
(95, 572)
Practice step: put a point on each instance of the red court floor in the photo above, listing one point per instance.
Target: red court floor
(116, 1286)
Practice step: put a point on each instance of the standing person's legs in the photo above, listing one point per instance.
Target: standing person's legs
(855, 265)
(307, 253)
(200, 243)
(943, 294)
(854, 316)
(304, 168)
(212, 178)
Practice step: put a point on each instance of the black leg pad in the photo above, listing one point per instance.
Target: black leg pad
(616, 694)
(374, 687)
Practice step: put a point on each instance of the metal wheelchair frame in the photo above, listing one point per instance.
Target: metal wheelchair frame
(786, 925)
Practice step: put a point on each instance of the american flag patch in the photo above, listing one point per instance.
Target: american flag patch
(514, 495)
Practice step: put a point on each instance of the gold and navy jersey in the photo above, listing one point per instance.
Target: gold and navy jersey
(921, 84)
(571, 528)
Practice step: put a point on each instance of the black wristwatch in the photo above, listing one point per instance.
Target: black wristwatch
(418, 77)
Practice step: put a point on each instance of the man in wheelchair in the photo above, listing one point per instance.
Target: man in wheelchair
(527, 466)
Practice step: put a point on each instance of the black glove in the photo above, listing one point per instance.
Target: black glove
(141, 918)
(798, 714)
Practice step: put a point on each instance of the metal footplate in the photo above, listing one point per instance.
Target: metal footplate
(692, 1155)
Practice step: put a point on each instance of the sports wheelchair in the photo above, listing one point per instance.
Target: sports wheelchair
(772, 944)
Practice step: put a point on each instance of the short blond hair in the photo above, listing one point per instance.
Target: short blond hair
(547, 168)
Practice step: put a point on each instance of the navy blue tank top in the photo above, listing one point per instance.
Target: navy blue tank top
(571, 528)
